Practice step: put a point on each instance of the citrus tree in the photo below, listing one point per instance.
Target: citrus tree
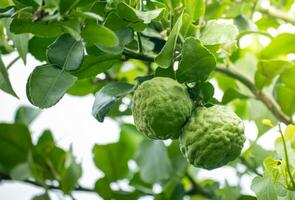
(164, 62)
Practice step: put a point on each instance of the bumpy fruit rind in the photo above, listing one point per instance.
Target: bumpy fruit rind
(212, 137)
(161, 106)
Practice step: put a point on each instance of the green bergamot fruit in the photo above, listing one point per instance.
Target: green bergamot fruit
(161, 106)
(212, 137)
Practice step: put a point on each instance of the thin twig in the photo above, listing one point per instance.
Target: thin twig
(50, 187)
(260, 95)
(140, 48)
(132, 54)
(196, 188)
(12, 62)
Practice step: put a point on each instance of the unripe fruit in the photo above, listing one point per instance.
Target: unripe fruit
(161, 106)
(212, 137)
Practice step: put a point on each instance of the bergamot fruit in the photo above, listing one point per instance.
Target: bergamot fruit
(161, 106)
(212, 137)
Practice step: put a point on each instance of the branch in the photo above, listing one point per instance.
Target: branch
(12, 62)
(51, 187)
(196, 189)
(132, 54)
(278, 14)
(260, 95)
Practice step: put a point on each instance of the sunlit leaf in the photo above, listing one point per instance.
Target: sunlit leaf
(219, 32)
(280, 45)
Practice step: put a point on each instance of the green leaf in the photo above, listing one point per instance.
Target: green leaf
(5, 84)
(114, 22)
(93, 65)
(125, 36)
(108, 96)
(247, 197)
(67, 5)
(153, 161)
(280, 45)
(103, 189)
(288, 77)
(15, 144)
(21, 172)
(45, 141)
(127, 13)
(130, 133)
(202, 91)
(6, 3)
(196, 63)
(285, 96)
(150, 15)
(95, 34)
(165, 57)
(25, 115)
(84, 87)
(72, 27)
(267, 22)
(70, 177)
(289, 140)
(174, 191)
(162, 72)
(140, 185)
(229, 192)
(44, 196)
(267, 70)
(172, 4)
(130, 14)
(38, 47)
(66, 52)
(25, 3)
(21, 43)
(177, 159)
(256, 155)
(113, 158)
(195, 8)
(24, 24)
(264, 188)
(47, 85)
(188, 28)
(219, 32)
(231, 94)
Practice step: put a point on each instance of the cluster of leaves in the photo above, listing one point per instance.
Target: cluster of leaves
(43, 161)
(277, 181)
(107, 47)
(140, 163)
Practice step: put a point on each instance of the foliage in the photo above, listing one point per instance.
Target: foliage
(107, 48)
